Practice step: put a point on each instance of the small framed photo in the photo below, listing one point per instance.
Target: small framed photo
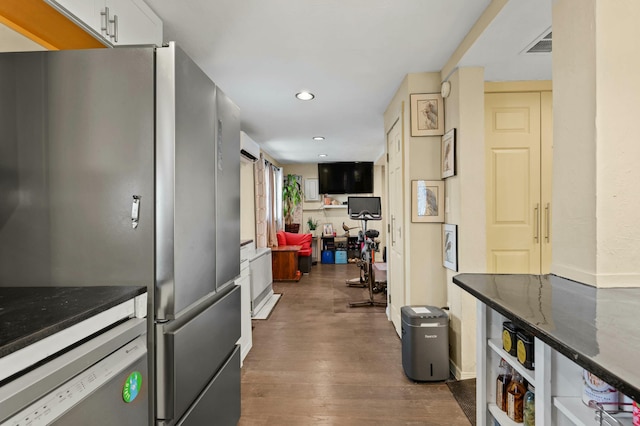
(449, 154)
(327, 230)
(427, 201)
(427, 114)
(450, 246)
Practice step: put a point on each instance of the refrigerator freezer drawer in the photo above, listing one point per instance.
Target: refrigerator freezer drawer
(219, 404)
(189, 354)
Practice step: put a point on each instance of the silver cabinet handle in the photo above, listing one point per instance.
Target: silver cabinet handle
(105, 27)
(114, 35)
(547, 224)
(536, 211)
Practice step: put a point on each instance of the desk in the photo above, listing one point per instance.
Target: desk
(284, 263)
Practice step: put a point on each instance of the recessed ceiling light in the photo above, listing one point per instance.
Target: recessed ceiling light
(322, 155)
(318, 138)
(305, 96)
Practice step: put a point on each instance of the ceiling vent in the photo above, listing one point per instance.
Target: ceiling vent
(541, 44)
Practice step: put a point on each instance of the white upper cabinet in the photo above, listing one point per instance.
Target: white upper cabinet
(114, 22)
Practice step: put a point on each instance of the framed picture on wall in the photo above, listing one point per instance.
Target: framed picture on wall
(427, 201)
(450, 246)
(427, 114)
(449, 154)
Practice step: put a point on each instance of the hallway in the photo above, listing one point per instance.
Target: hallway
(316, 361)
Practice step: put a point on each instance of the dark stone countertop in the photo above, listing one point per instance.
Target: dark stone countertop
(29, 314)
(597, 328)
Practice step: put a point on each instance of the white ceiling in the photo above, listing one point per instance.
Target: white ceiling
(352, 54)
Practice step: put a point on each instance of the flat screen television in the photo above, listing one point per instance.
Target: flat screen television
(345, 178)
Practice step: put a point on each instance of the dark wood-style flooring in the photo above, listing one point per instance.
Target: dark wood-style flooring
(317, 362)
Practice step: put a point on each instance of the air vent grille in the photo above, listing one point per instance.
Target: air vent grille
(542, 45)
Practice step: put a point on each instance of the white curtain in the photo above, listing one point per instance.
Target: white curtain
(268, 202)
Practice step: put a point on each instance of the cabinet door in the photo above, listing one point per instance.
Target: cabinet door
(512, 135)
(84, 12)
(133, 23)
(115, 22)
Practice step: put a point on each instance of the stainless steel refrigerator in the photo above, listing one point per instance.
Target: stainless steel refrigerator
(121, 167)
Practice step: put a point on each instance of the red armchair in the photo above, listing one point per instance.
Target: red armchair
(304, 254)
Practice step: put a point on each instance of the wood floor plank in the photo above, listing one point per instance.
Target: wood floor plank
(316, 361)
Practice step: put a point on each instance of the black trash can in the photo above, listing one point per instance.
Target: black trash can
(425, 343)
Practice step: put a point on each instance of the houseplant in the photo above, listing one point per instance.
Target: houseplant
(291, 197)
(312, 224)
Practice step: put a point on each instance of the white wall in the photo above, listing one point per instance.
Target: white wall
(466, 207)
(336, 217)
(596, 103)
(426, 274)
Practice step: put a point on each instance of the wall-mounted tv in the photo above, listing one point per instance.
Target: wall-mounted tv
(345, 178)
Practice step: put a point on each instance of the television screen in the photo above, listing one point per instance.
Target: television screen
(345, 178)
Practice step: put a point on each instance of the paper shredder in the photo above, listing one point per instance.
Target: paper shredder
(425, 343)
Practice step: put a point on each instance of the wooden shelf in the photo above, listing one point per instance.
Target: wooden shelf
(496, 346)
(501, 417)
(341, 206)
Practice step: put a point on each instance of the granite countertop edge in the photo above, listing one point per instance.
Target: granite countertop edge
(604, 373)
(54, 328)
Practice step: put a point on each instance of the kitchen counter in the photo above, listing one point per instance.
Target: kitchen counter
(29, 314)
(595, 328)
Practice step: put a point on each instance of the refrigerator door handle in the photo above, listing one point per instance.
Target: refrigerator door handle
(135, 211)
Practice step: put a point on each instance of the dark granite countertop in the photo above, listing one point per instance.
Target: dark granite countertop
(597, 328)
(29, 314)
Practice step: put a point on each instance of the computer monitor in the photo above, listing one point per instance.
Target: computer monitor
(364, 208)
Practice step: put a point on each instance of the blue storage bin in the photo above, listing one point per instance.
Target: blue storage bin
(327, 256)
(341, 256)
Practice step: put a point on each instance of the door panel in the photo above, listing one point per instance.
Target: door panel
(227, 190)
(512, 186)
(519, 134)
(190, 353)
(511, 261)
(100, 155)
(512, 135)
(185, 183)
(396, 257)
(220, 401)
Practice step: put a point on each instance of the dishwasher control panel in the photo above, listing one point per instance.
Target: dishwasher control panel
(55, 404)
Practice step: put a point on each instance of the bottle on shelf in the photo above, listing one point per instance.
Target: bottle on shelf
(529, 411)
(504, 378)
(515, 398)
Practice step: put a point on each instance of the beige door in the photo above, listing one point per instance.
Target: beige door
(396, 241)
(518, 207)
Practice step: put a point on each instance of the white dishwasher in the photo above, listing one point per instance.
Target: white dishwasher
(85, 366)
